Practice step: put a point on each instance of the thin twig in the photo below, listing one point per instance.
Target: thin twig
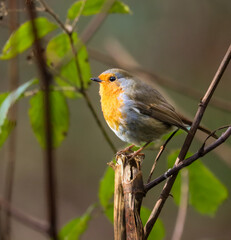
(75, 21)
(160, 153)
(202, 151)
(45, 80)
(54, 15)
(213, 132)
(24, 218)
(75, 56)
(87, 99)
(90, 106)
(182, 212)
(74, 49)
(88, 32)
(203, 104)
(13, 72)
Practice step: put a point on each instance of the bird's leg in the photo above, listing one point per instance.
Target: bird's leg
(125, 149)
(132, 155)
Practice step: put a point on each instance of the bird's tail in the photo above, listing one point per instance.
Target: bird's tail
(203, 129)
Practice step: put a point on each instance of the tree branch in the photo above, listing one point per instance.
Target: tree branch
(13, 73)
(202, 107)
(45, 80)
(28, 220)
(203, 151)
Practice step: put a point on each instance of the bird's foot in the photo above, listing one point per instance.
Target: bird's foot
(125, 150)
(136, 153)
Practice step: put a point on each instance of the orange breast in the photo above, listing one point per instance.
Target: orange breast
(111, 102)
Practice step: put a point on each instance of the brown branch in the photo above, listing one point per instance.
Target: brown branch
(26, 219)
(189, 160)
(13, 72)
(202, 107)
(159, 154)
(45, 80)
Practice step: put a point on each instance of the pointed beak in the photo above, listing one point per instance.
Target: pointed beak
(96, 79)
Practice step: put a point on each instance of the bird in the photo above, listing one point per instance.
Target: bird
(135, 111)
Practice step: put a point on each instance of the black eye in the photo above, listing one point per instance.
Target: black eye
(112, 78)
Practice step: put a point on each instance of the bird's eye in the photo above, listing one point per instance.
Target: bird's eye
(112, 78)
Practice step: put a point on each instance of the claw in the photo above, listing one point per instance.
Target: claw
(127, 149)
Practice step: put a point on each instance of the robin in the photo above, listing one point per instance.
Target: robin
(134, 110)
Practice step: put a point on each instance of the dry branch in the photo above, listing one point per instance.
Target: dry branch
(202, 107)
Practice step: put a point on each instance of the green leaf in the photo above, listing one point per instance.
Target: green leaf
(59, 117)
(9, 99)
(109, 212)
(57, 48)
(206, 192)
(7, 127)
(3, 97)
(158, 232)
(106, 188)
(76, 227)
(94, 7)
(23, 37)
(106, 191)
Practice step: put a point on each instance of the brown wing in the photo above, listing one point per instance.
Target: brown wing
(151, 103)
(162, 112)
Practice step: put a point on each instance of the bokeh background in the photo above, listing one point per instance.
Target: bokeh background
(181, 40)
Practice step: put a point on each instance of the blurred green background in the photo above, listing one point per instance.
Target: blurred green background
(182, 40)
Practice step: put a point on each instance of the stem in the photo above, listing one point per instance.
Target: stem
(53, 14)
(189, 160)
(160, 153)
(90, 106)
(11, 151)
(26, 219)
(45, 79)
(89, 34)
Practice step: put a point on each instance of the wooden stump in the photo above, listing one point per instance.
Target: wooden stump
(129, 193)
